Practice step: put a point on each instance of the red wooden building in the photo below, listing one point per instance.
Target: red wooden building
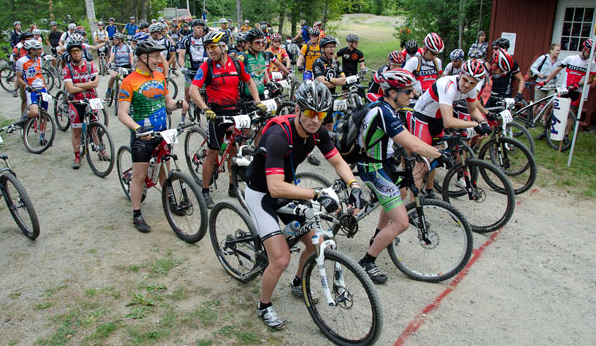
(537, 23)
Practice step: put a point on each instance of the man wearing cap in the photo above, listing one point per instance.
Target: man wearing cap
(131, 27)
(15, 36)
(54, 37)
(246, 26)
(111, 28)
(67, 34)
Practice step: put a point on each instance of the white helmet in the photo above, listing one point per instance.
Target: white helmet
(32, 44)
(223, 21)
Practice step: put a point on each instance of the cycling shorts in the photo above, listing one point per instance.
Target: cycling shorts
(307, 75)
(424, 127)
(262, 208)
(188, 79)
(382, 183)
(462, 114)
(76, 113)
(142, 151)
(32, 98)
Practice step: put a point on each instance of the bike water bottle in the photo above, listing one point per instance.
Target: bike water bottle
(151, 169)
(224, 146)
(291, 229)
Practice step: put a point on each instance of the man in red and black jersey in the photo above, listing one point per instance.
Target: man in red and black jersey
(502, 82)
(222, 77)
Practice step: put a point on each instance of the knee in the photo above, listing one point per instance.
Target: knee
(400, 223)
(280, 264)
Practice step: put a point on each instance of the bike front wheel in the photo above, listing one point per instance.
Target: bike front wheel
(61, 111)
(20, 205)
(7, 78)
(195, 152)
(356, 317)
(184, 206)
(520, 133)
(49, 78)
(99, 149)
(286, 108)
(39, 133)
(437, 253)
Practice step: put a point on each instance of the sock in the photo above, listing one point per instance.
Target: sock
(296, 281)
(77, 155)
(42, 136)
(263, 306)
(136, 213)
(205, 190)
(376, 232)
(231, 187)
(368, 259)
(429, 191)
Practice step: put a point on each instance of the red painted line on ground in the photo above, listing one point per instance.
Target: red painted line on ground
(419, 319)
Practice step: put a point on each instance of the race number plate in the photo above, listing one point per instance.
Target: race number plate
(271, 105)
(47, 98)
(96, 103)
(284, 84)
(170, 136)
(506, 116)
(340, 105)
(351, 79)
(242, 121)
(470, 132)
(276, 76)
(509, 103)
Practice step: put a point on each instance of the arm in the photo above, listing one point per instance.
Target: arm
(196, 97)
(342, 169)
(281, 66)
(181, 55)
(287, 62)
(520, 82)
(123, 107)
(414, 144)
(80, 87)
(20, 80)
(534, 67)
(476, 111)
(166, 66)
(362, 66)
(278, 188)
(131, 59)
(553, 74)
(111, 58)
(451, 122)
(254, 92)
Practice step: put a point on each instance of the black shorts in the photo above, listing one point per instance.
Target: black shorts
(216, 130)
(142, 151)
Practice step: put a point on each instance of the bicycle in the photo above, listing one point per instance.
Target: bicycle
(61, 111)
(39, 132)
(347, 102)
(122, 73)
(181, 197)
(351, 301)
(95, 137)
(8, 78)
(103, 60)
(18, 201)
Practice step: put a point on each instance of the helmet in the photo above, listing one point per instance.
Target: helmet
(72, 26)
(112, 19)
(587, 44)
(153, 21)
(434, 43)
(78, 27)
(100, 23)
(317, 24)
(411, 47)
(395, 57)
(143, 25)
(32, 44)
(327, 40)
(140, 36)
(302, 22)
(254, 34)
(396, 79)
(148, 46)
(503, 60)
(77, 37)
(223, 21)
(16, 23)
(456, 54)
(52, 23)
(162, 26)
(160, 19)
(501, 43)
(314, 31)
(196, 22)
(119, 36)
(475, 54)
(131, 17)
(314, 95)
(73, 43)
(25, 35)
(240, 37)
(215, 37)
(246, 21)
(474, 68)
(275, 36)
(80, 32)
(154, 28)
(36, 32)
(352, 38)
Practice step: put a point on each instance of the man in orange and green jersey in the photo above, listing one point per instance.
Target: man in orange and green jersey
(309, 53)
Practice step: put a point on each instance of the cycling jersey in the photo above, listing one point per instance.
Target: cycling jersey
(111, 29)
(65, 36)
(374, 88)
(322, 67)
(304, 33)
(82, 74)
(195, 52)
(426, 72)
(407, 56)
(121, 55)
(452, 71)
(130, 28)
(502, 82)
(244, 28)
(575, 69)
(100, 35)
(223, 90)
(18, 52)
(310, 53)
(147, 96)
(350, 60)
(280, 54)
(381, 122)
(31, 70)
(169, 47)
(444, 91)
(256, 66)
(54, 38)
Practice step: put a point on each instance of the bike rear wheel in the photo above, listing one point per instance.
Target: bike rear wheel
(444, 252)
(195, 152)
(124, 168)
(39, 133)
(7, 78)
(61, 111)
(566, 142)
(184, 207)
(236, 242)
(172, 88)
(520, 133)
(356, 317)
(99, 149)
(49, 78)
(20, 206)
(286, 108)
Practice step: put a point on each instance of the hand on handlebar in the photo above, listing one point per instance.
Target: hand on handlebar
(139, 130)
(356, 199)
(519, 97)
(444, 160)
(262, 108)
(210, 115)
(483, 129)
(328, 199)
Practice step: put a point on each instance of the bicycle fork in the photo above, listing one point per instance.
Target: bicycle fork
(338, 272)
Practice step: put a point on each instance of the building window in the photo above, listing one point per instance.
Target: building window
(577, 26)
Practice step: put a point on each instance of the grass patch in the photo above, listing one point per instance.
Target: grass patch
(14, 295)
(43, 306)
(243, 335)
(179, 293)
(156, 288)
(139, 312)
(52, 290)
(164, 265)
(90, 292)
(139, 299)
(102, 332)
(207, 342)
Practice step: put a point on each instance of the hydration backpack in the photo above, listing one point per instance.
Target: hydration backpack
(346, 139)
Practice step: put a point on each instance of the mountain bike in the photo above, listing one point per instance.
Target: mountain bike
(39, 132)
(18, 201)
(181, 197)
(96, 142)
(61, 111)
(351, 311)
(103, 60)
(113, 97)
(8, 78)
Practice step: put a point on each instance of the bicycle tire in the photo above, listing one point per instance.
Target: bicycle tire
(332, 320)
(4, 61)
(518, 132)
(481, 219)
(286, 108)
(448, 251)
(61, 111)
(182, 203)
(124, 168)
(513, 155)
(7, 78)
(112, 97)
(293, 88)
(568, 137)
(103, 117)
(195, 151)
(172, 87)
(17, 201)
(31, 133)
(441, 172)
(312, 180)
(99, 147)
(49, 78)
(235, 241)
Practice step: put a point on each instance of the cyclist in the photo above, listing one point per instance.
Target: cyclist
(29, 77)
(410, 50)
(434, 110)
(454, 67)
(382, 127)
(224, 28)
(18, 52)
(394, 60)
(246, 26)
(111, 28)
(80, 81)
(37, 35)
(256, 61)
(222, 77)
(279, 53)
(54, 38)
(71, 29)
(309, 53)
(351, 56)
(327, 71)
(502, 83)
(16, 34)
(146, 91)
(155, 30)
(319, 26)
(131, 27)
(191, 53)
(426, 66)
(101, 36)
(144, 27)
(272, 179)
(304, 32)
(241, 44)
(120, 56)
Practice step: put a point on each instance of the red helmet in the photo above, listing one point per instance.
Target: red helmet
(317, 24)
(503, 60)
(396, 79)
(587, 44)
(434, 43)
(474, 68)
(395, 57)
(275, 36)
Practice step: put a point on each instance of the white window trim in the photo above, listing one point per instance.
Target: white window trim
(559, 19)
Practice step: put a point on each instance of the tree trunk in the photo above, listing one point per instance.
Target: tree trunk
(325, 13)
(143, 16)
(51, 10)
(461, 23)
(239, 13)
(90, 7)
(282, 17)
(293, 22)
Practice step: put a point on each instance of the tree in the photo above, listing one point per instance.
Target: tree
(90, 8)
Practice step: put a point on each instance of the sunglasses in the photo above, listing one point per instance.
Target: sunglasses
(407, 92)
(258, 42)
(311, 114)
(211, 46)
(75, 50)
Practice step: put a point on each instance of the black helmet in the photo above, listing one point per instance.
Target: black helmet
(254, 34)
(501, 43)
(148, 46)
(25, 35)
(314, 95)
(411, 47)
(119, 36)
(352, 38)
(73, 44)
(327, 40)
(240, 37)
(143, 25)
